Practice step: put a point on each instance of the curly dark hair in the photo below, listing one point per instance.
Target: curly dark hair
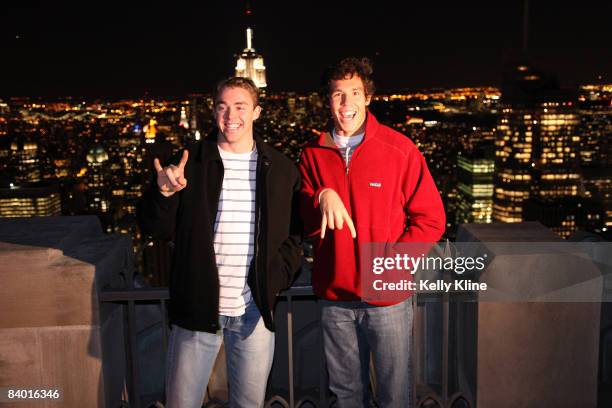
(239, 82)
(347, 68)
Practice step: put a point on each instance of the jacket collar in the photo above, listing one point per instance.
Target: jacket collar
(208, 148)
(327, 140)
(209, 152)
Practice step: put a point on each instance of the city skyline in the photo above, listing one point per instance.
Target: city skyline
(84, 146)
(530, 147)
(129, 52)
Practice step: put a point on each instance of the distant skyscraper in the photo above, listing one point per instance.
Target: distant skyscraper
(537, 146)
(30, 200)
(250, 64)
(195, 102)
(127, 184)
(183, 122)
(566, 215)
(475, 186)
(596, 137)
(598, 185)
(150, 131)
(98, 180)
(556, 170)
(26, 161)
(193, 112)
(596, 153)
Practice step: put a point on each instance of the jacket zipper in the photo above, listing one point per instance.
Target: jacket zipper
(347, 177)
(346, 164)
(346, 160)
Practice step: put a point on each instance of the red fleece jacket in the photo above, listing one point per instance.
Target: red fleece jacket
(388, 192)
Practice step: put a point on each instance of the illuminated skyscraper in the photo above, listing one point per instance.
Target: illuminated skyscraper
(26, 161)
(590, 131)
(30, 200)
(127, 187)
(598, 185)
(150, 131)
(538, 144)
(195, 102)
(475, 186)
(250, 64)
(98, 180)
(557, 154)
(183, 122)
(595, 137)
(596, 147)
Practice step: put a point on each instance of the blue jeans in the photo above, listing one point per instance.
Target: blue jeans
(249, 348)
(354, 330)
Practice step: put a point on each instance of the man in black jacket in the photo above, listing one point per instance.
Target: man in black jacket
(237, 245)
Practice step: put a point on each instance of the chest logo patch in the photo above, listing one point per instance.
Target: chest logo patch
(375, 184)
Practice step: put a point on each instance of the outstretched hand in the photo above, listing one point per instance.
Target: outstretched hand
(171, 179)
(333, 213)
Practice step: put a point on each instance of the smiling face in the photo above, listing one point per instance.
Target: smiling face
(348, 103)
(235, 112)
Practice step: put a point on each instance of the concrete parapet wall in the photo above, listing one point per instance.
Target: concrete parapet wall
(53, 332)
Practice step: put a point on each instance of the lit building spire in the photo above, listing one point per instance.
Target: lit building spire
(249, 39)
(250, 64)
(183, 122)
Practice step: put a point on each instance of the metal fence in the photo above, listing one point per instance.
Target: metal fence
(433, 371)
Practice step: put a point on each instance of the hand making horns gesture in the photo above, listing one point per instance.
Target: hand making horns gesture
(333, 213)
(171, 179)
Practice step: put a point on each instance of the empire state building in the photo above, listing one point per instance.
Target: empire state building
(250, 64)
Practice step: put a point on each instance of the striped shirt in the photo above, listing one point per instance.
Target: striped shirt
(235, 231)
(346, 145)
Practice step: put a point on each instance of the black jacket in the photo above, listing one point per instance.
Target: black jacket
(188, 218)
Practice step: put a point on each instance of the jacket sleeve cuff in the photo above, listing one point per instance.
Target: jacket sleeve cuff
(165, 202)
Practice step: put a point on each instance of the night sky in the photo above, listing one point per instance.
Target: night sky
(119, 51)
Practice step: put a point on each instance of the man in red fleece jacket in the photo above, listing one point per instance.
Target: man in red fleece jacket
(363, 182)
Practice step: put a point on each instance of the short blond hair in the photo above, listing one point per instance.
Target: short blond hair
(239, 82)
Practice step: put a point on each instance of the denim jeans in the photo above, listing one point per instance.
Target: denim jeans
(354, 330)
(249, 348)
